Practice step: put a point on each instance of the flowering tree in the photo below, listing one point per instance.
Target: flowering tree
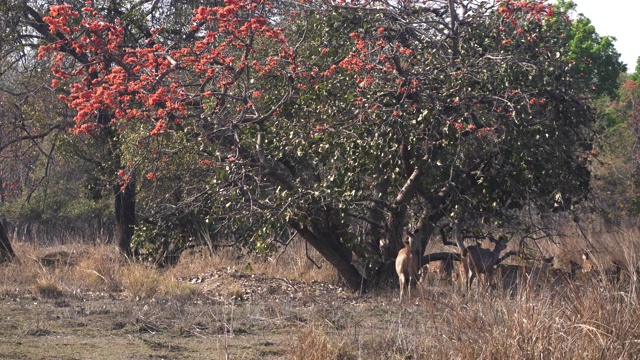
(143, 85)
(344, 122)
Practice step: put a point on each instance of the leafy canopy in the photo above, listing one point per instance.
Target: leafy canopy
(345, 123)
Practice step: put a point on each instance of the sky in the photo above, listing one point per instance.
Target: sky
(617, 18)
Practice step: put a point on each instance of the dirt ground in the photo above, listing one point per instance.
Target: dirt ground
(260, 320)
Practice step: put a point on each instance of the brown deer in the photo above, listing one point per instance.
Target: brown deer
(479, 261)
(407, 265)
(588, 265)
(442, 269)
(457, 275)
(591, 269)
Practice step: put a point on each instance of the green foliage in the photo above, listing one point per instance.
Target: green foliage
(618, 180)
(636, 74)
(57, 204)
(593, 58)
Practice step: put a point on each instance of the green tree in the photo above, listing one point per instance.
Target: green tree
(593, 58)
(620, 152)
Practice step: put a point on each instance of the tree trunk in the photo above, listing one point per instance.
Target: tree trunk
(374, 231)
(455, 35)
(327, 242)
(395, 228)
(125, 211)
(6, 251)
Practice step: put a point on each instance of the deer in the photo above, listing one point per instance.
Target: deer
(591, 268)
(442, 269)
(588, 265)
(477, 260)
(458, 273)
(407, 265)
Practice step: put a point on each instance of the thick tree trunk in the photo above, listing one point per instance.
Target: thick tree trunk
(125, 211)
(328, 243)
(6, 251)
(374, 231)
(396, 220)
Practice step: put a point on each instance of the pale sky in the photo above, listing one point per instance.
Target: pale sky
(617, 18)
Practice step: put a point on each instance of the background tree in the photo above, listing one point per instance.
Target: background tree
(101, 145)
(28, 117)
(620, 165)
(593, 58)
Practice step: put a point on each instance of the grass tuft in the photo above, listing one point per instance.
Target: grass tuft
(48, 289)
(314, 344)
(141, 281)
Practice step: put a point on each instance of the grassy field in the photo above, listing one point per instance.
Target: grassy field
(85, 302)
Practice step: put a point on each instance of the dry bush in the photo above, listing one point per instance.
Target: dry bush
(141, 281)
(29, 275)
(172, 288)
(313, 344)
(47, 288)
(99, 269)
(290, 262)
(80, 268)
(296, 262)
(200, 260)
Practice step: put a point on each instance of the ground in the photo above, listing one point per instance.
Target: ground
(228, 314)
(85, 302)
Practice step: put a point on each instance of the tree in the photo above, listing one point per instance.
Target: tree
(621, 144)
(105, 145)
(593, 58)
(481, 131)
(343, 123)
(29, 117)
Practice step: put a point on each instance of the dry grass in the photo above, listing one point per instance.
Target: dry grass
(314, 344)
(289, 263)
(81, 268)
(579, 322)
(538, 315)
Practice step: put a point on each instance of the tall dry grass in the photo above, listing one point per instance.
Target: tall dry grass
(542, 316)
(586, 322)
(291, 262)
(80, 268)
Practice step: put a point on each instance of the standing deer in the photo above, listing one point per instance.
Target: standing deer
(407, 265)
(477, 260)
